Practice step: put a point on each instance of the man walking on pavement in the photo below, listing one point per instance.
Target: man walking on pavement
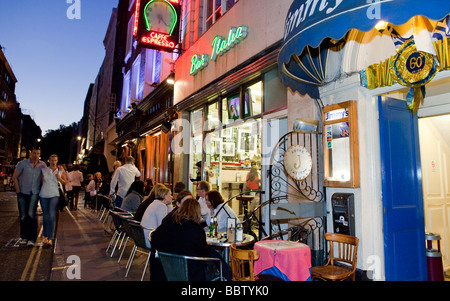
(123, 177)
(27, 182)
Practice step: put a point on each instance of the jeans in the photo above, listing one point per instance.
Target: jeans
(27, 204)
(49, 211)
(118, 201)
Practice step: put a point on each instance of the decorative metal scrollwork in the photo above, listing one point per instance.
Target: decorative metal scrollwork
(285, 189)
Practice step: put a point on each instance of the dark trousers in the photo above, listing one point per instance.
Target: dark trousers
(27, 204)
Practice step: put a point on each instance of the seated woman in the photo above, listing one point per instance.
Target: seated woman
(182, 234)
(134, 197)
(146, 202)
(156, 211)
(215, 203)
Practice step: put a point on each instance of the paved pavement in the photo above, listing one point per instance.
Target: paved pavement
(79, 252)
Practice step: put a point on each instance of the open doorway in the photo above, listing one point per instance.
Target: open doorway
(434, 138)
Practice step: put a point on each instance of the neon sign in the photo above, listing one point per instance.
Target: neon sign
(198, 62)
(220, 46)
(158, 39)
(156, 24)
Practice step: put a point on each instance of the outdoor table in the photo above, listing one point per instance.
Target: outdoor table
(288, 260)
(225, 243)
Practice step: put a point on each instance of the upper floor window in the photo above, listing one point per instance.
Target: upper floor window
(215, 9)
(213, 12)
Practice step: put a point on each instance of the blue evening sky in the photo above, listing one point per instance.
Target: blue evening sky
(54, 58)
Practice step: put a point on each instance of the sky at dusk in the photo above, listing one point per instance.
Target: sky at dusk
(54, 55)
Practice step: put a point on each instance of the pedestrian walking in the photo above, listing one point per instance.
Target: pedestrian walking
(27, 182)
(75, 179)
(52, 178)
(124, 176)
(67, 188)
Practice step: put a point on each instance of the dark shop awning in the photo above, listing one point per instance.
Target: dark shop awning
(302, 57)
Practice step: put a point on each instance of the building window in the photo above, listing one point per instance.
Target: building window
(136, 71)
(215, 9)
(126, 93)
(213, 12)
(230, 151)
(129, 38)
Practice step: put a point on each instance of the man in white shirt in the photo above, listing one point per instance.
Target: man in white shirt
(123, 177)
(202, 188)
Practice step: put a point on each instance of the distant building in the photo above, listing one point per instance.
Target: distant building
(9, 112)
(145, 102)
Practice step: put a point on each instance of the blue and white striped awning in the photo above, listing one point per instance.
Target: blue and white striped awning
(310, 22)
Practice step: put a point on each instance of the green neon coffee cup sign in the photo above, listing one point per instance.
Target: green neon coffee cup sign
(220, 46)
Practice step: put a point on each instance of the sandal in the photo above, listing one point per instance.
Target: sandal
(47, 243)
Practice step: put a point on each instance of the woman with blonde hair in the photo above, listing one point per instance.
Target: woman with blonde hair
(146, 202)
(157, 211)
(52, 178)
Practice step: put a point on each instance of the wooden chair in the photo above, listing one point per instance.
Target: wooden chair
(343, 249)
(240, 260)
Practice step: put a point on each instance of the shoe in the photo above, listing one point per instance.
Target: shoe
(22, 241)
(47, 243)
(30, 243)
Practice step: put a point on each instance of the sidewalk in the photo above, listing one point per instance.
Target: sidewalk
(80, 251)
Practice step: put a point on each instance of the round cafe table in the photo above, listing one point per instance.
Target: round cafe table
(288, 260)
(225, 244)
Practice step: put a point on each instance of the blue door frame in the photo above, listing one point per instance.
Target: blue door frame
(403, 213)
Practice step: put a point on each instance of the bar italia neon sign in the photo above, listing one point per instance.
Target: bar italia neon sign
(156, 24)
(220, 46)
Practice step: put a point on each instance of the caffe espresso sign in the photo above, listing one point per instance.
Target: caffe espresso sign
(220, 46)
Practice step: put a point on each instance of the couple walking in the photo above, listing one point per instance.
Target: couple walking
(33, 180)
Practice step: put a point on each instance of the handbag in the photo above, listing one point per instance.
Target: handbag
(63, 201)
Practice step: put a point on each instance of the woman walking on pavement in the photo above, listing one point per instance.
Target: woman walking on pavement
(52, 177)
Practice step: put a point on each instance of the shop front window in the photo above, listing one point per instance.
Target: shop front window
(212, 120)
(197, 145)
(253, 99)
(233, 161)
(231, 145)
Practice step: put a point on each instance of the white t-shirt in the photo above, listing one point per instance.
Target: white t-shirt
(124, 176)
(50, 183)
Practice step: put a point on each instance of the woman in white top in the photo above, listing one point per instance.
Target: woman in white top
(219, 209)
(52, 178)
(156, 211)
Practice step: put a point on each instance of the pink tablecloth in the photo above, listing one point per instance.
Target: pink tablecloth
(292, 258)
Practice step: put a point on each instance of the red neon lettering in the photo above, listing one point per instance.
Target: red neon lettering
(158, 39)
(174, 1)
(136, 18)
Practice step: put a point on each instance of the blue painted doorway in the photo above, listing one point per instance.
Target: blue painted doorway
(403, 214)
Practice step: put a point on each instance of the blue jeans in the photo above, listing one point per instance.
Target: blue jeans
(27, 204)
(118, 201)
(49, 210)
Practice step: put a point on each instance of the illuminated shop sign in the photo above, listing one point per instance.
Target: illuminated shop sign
(220, 46)
(336, 114)
(157, 24)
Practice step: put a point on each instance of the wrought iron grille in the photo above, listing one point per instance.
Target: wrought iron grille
(308, 225)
